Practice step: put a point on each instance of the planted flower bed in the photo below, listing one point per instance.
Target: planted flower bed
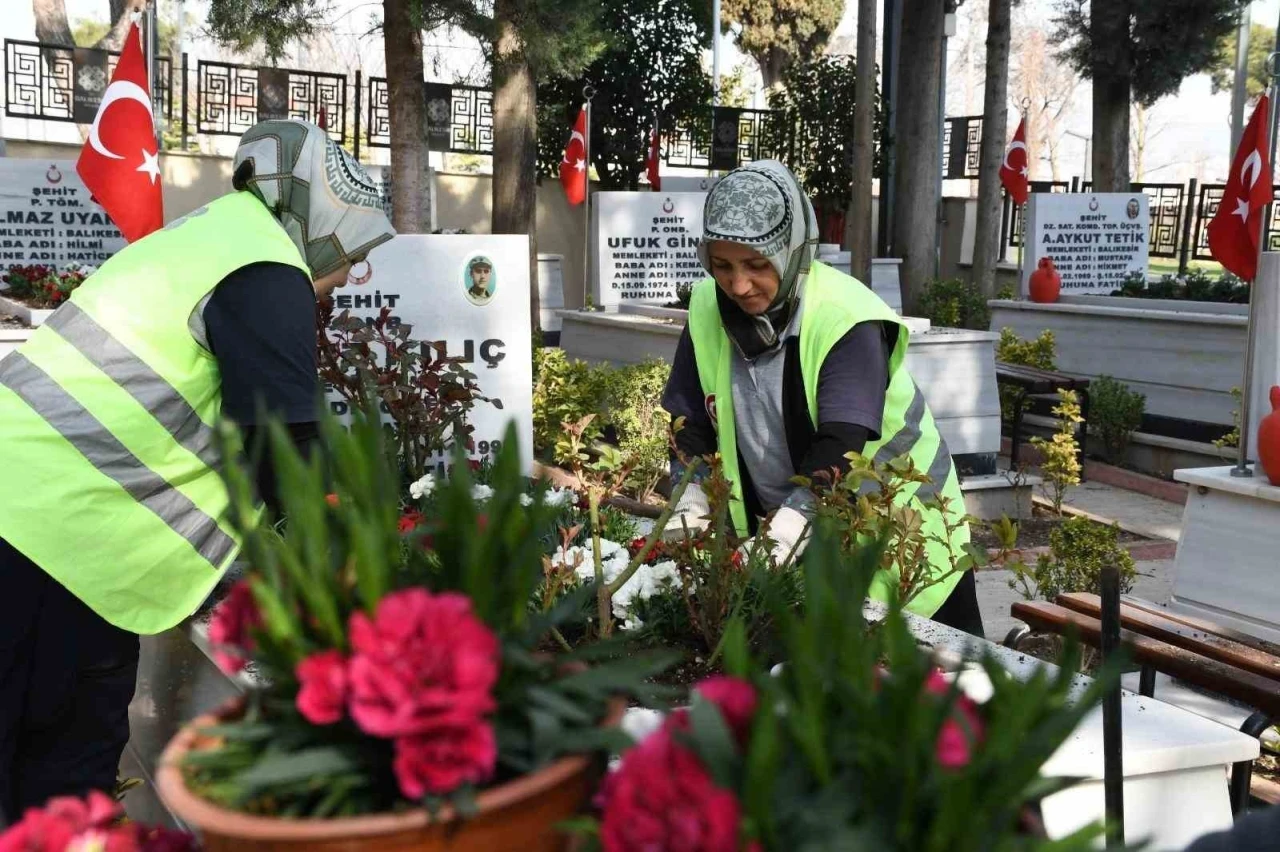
(33, 292)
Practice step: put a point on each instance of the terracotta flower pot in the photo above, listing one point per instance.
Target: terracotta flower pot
(1046, 284)
(1269, 439)
(520, 814)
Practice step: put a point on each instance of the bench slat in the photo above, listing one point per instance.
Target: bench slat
(1207, 626)
(1180, 635)
(1254, 690)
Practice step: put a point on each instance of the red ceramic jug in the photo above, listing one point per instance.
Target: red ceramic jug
(1269, 439)
(1046, 283)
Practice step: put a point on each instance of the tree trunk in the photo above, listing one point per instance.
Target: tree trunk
(915, 220)
(515, 142)
(858, 234)
(995, 126)
(410, 174)
(772, 66)
(121, 19)
(51, 22)
(1112, 86)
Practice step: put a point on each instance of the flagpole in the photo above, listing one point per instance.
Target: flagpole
(1022, 220)
(588, 92)
(152, 44)
(1246, 393)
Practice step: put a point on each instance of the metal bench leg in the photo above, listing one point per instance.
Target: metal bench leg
(1242, 772)
(1147, 682)
(1015, 431)
(1015, 636)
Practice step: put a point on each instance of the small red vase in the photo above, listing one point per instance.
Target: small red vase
(1046, 283)
(1269, 439)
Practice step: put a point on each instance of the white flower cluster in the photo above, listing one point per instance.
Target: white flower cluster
(557, 497)
(642, 585)
(423, 487)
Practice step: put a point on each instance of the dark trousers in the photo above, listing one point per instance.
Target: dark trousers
(66, 680)
(960, 609)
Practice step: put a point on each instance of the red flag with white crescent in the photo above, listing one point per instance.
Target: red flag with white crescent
(652, 163)
(1014, 171)
(573, 168)
(1235, 229)
(120, 162)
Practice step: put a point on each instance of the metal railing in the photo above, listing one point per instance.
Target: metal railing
(56, 83)
(231, 98)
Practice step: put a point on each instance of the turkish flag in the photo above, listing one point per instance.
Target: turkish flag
(119, 162)
(651, 164)
(1014, 171)
(573, 168)
(1236, 227)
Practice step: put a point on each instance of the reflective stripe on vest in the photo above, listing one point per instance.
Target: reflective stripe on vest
(133, 374)
(110, 462)
(832, 304)
(101, 449)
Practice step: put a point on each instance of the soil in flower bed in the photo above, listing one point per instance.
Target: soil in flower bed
(7, 321)
(1034, 531)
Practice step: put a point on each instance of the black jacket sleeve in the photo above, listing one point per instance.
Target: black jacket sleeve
(683, 397)
(261, 326)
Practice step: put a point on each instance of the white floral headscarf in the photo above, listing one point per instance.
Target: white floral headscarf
(761, 205)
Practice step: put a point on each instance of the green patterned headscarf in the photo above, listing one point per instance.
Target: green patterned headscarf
(323, 198)
(762, 205)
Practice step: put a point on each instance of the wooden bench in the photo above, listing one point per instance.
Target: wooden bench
(1219, 660)
(1032, 381)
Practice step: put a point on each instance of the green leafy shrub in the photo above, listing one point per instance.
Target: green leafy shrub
(626, 402)
(955, 303)
(1079, 549)
(1196, 286)
(1061, 465)
(1115, 413)
(1011, 349)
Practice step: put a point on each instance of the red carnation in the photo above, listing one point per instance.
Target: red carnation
(961, 731)
(322, 697)
(409, 521)
(424, 661)
(736, 699)
(661, 799)
(65, 820)
(229, 629)
(443, 759)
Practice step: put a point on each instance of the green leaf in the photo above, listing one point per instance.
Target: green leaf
(713, 741)
(286, 768)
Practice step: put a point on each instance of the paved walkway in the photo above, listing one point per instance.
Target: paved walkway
(1149, 516)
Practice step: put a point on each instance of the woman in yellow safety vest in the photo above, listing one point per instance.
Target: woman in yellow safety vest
(785, 366)
(113, 513)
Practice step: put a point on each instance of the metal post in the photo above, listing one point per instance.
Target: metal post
(355, 139)
(1184, 253)
(715, 52)
(1242, 451)
(1241, 78)
(1112, 724)
(889, 93)
(942, 135)
(184, 100)
(588, 92)
(151, 69)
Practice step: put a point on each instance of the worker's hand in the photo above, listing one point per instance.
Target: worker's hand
(691, 513)
(788, 534)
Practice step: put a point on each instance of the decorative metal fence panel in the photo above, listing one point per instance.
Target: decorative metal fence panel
(961, 147)
(54, 83)
(1167, 205)
(762, 134)
(470, 118)
(231, 98)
